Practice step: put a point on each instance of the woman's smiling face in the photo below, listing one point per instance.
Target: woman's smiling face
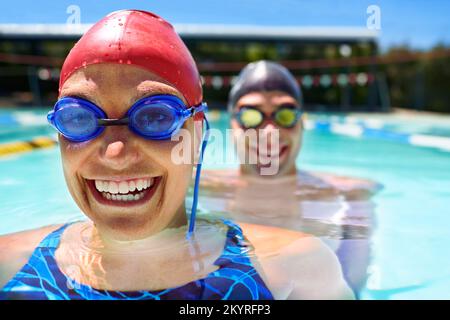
(127, 185)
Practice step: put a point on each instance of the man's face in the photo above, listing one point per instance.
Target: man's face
(127, 185)
(289, 140)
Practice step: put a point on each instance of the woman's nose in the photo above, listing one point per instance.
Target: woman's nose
(118, 148)
(114, 149)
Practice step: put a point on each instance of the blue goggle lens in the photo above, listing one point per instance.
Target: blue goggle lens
(154, 119)
(76, 122)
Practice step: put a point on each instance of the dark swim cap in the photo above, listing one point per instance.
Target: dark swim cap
(142, 39)
(263, 76)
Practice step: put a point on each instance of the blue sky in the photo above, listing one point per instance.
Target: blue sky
(420, 24)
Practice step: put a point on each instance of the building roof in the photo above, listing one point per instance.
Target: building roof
(204, 31)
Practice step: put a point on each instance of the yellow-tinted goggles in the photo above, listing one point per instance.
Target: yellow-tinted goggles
(251, 117)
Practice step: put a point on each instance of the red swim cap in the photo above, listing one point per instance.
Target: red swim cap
(142, 39)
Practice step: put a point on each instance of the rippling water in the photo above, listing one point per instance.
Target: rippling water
(407, 228)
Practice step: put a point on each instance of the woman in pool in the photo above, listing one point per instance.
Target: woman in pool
(266, 108)
(126, 87)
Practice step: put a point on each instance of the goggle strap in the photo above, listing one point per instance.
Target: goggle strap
(192, 111)
(197, 182)
(50, 116)
(202, 107)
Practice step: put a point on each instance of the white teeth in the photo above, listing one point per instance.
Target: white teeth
(99, 185)
(123, 187)
(113, 187)
(125, 197)
(120, 191)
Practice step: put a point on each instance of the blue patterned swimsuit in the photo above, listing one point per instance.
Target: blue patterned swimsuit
(235, 279)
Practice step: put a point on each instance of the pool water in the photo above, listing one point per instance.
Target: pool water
(410, 256)
(410, 251)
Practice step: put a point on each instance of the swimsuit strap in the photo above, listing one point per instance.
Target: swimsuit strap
(53, 239)
(236, 266)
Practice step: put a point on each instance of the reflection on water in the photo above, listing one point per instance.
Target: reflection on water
(166, 260)
(340, 214)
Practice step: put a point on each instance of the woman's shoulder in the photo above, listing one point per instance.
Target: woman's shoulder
(25, 238)
(16, 248)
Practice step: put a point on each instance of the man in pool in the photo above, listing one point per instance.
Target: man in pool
(126, 88)
(267, 100)
(265, 105)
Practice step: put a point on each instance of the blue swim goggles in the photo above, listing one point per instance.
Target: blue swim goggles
(155, 118)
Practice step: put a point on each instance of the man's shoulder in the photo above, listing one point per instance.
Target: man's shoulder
(268, 238)
(303, 259)
(352, 187)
